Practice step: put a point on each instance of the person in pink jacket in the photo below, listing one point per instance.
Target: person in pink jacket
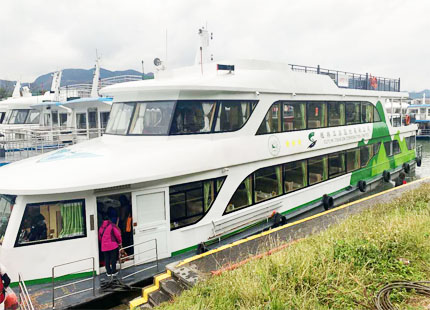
(110, 239)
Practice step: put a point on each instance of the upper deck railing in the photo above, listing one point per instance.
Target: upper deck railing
(83, 90)
(345, 79)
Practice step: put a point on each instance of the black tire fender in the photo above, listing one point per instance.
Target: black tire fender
(327, 201)
(386, 175)
(406, 167)
(418, 161)
(362, 186)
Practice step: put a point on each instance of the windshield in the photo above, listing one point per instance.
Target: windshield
(178, 117)
(18, 116)
(33, 117)
(6, 205)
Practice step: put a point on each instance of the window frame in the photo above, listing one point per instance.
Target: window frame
(205, 212)
(17, 244)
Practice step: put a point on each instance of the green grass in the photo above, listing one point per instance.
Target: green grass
(341, 268)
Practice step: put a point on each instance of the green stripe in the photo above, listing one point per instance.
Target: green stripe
(57, 279)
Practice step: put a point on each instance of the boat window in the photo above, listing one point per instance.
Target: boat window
(47, 119)
(152, 118)
(232, 115)
(336, 164)
(272, 121)
(294, 116)
(268, 183)
(410, 142)
(2, 117)
(6, 204)
(242, 197)
(92, 118)
(190, 202)
(366, 154)
(193, 117)
(295, 175)
(120, 118)
(376, 147)
(18, 116)
(81, 120)
(317, 115)
(336, 116)
(353, 159)
(52, 221)
(396, 147)
(367, 110)
(388, 148)
(352, 113)
(104, 118)
(33, 117)
(54, 118)
(317, 169)
(63, 119)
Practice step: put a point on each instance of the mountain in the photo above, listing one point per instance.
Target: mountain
(416, 95)
(69, 77)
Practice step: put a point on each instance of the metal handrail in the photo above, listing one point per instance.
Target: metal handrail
(24, 299)
(93, 278)
(355, 80)
(135, 246)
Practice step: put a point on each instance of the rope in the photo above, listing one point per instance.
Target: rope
(382, 300)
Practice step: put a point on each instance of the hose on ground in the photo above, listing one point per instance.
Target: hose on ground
(382, 300)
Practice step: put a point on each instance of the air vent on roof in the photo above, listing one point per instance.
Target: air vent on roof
(112, 188)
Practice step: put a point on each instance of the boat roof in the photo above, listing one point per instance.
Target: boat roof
(249, 76)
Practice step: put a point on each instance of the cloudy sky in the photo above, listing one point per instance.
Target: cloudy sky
(389, 38)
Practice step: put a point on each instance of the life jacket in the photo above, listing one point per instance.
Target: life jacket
(128, 224)
(2, 290)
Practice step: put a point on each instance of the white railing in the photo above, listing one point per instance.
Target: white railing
(119, 79)
(66, 287)
(24, 143)
(148, 250)
(24, 299)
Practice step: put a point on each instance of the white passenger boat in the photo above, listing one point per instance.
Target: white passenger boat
(200, 153)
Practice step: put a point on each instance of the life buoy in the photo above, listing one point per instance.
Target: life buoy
(407, 119)
(362, 186)
(386, 175)
(327, 202)
(406, 167)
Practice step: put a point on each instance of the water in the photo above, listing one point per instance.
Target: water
(424, 170)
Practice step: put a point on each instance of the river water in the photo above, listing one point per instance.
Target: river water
(424, 170)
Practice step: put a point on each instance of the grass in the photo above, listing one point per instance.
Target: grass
(341, 268)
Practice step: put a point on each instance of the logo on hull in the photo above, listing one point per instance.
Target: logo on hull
(312, 140)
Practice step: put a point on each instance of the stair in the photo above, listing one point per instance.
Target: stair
(165, 287)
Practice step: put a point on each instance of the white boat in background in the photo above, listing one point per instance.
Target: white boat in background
(56, 119)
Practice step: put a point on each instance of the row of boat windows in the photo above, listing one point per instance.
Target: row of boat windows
(289, 116)
(190, 202)
(201, 116)
(178, 117)
(21, 116)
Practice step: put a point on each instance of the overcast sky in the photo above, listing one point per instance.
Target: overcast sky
(389, 38)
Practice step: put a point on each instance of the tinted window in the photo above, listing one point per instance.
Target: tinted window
(376, 116)
(242, 197)
(352, 113)
(190, 202)
(63, 119)
(352, 159)
(151, 118)
(388, 148)
(336, 112)
(193, 117)
(268, 183)
(366, 154)
(317, 115)
(366, 112)
(18, 116)
(120, 118)
(81, 120)
(33, 117)
(52, 221)
(336, 164)
(232, 115)
(272, 121)
(396, 147)
(295, 175)
(318, 169)
(294, 116)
